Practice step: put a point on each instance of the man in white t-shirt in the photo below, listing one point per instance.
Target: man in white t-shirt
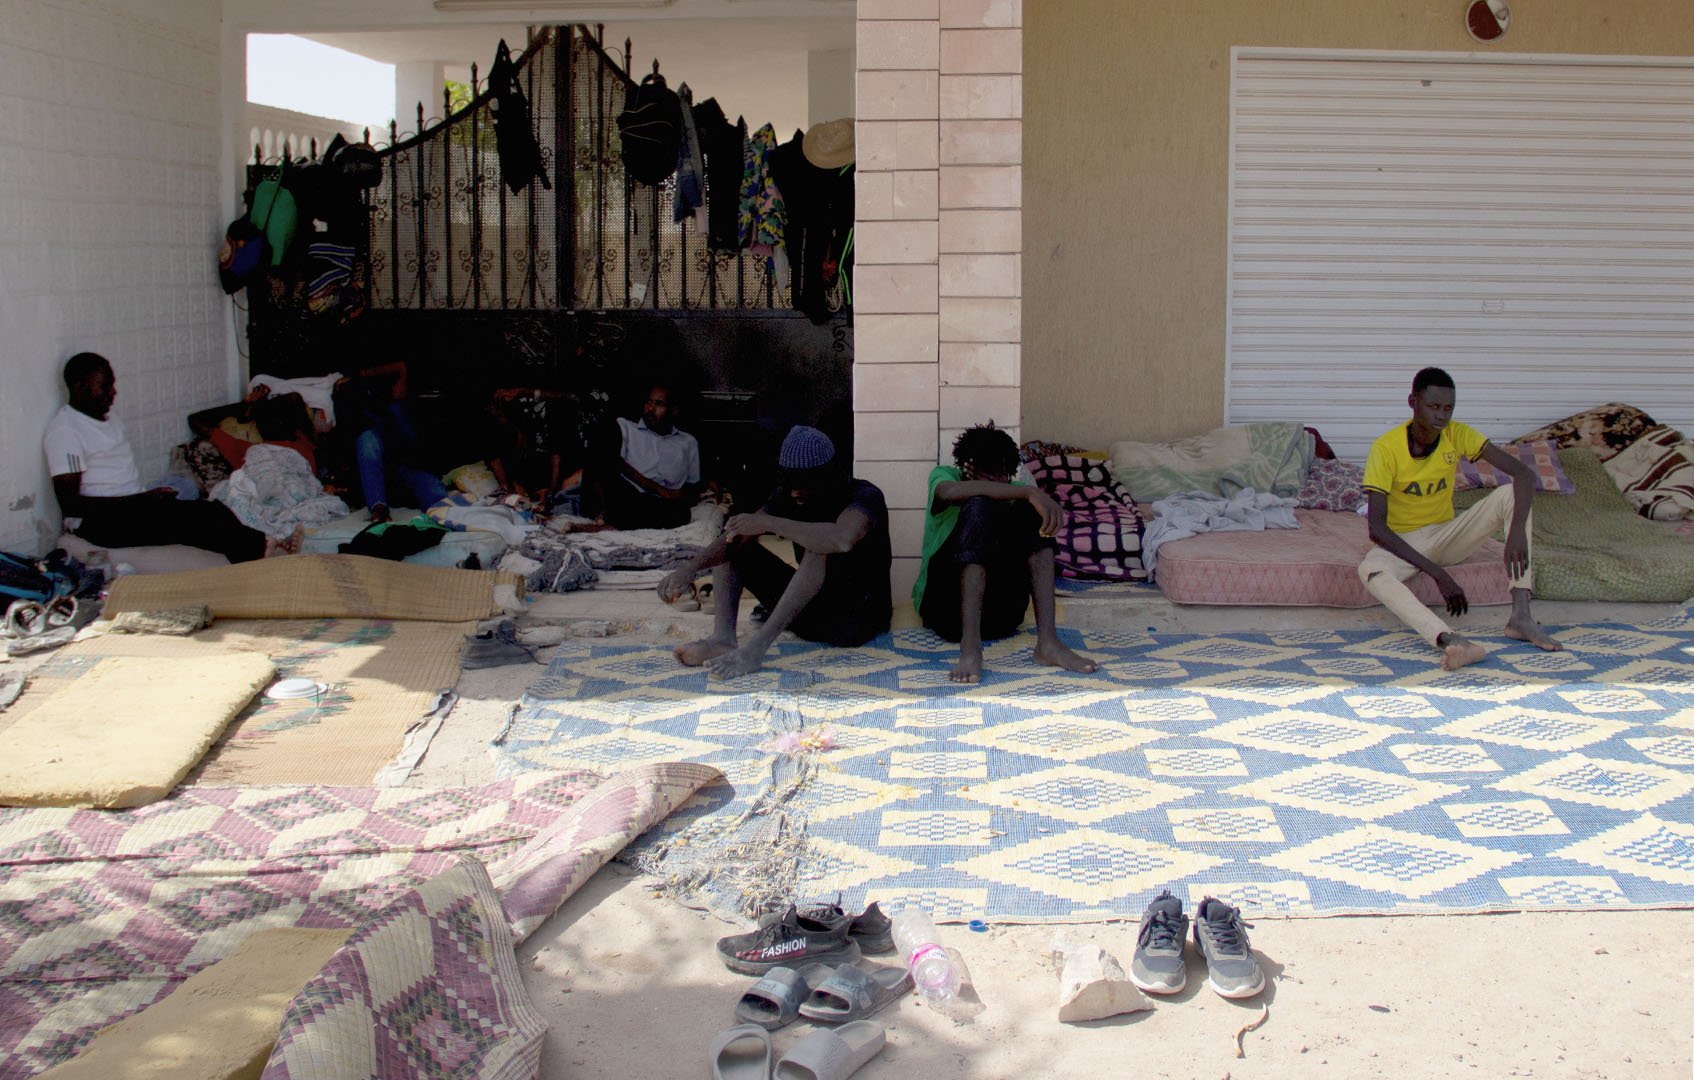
(658, 472)
(99, 487)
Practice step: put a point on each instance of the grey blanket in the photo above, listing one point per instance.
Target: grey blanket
(572, 561)
(1189, 513)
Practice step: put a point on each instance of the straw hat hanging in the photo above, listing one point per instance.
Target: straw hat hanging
(829, 145)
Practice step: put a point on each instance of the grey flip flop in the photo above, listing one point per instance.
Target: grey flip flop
(11, 686)
(832, 1053)
(853, 991)
(776, 998)
(742, 1053)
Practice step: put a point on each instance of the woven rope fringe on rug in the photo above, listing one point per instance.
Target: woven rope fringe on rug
(1301, 773)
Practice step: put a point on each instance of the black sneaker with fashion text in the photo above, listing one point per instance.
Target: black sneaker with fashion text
(1158, 966)
(1231, 969)
(871, 930)
(789, 941)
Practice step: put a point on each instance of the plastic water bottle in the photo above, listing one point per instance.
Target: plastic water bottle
(934, 973)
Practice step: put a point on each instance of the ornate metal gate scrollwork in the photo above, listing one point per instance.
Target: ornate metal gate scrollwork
(446, 231)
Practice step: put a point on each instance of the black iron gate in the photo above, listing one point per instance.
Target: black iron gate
(446, 232)
(569, 286)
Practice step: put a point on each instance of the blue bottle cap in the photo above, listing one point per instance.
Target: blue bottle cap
(979, 926)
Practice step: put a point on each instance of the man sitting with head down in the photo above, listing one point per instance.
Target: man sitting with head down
(988, 550)
(839, 595)
(1409, 481)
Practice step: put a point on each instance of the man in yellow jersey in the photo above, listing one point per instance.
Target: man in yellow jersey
(1409, 482)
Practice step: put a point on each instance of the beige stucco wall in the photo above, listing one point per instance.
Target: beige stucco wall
(1126, 161)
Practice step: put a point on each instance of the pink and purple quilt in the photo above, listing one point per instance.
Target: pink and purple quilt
(103, 913)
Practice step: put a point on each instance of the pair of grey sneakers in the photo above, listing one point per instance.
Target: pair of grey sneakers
(1219, 933)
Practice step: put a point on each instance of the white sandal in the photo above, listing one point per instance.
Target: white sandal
(24, 618)
(61, 611)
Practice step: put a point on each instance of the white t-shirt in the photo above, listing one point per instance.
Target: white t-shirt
(98, 449)
(671, 459)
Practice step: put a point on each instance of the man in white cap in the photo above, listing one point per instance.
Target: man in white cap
(839, 595)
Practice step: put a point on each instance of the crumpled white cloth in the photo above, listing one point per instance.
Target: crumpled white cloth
(318, 393)
(1188, 513)
(511, 524)
(274, 490)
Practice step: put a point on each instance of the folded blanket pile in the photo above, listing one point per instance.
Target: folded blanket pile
(1192, 512)
(1271, 457)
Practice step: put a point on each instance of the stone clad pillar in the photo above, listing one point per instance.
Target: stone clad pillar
(938, 240)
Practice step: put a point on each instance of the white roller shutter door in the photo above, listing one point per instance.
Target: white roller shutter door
(1525, 223)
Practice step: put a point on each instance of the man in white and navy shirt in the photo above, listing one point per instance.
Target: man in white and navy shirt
(99, 487)
(658, 477)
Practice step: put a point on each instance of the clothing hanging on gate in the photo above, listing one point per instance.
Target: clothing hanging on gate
(690, 165)
(514, 135)
(819, 205)
(724, 146)
(763, 216)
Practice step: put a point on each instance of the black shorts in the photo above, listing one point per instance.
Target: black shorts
(1000, 535)
(846, 612)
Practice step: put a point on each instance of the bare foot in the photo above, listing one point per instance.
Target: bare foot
(696, 653)
(289, 545)
(969, 667)
(1459, 652)
(1054, 654)
(1529, 630)
(741, 661)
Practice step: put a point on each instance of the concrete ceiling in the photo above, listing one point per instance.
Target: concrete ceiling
(663, 38)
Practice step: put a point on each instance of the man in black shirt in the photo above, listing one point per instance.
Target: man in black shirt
(840, 593)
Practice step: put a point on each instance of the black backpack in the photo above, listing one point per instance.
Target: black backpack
(651, 127)
(354, 166)
(514, 138)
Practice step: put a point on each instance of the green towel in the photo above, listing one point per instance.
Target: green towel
(1593, 545)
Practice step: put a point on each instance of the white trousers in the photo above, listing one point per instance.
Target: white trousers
(1450, 542)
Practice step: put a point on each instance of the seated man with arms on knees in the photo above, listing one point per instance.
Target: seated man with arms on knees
(840, 593)
(987, 550)
(373, 404)
(655, 479)
(99, 487)
(1409, 482)
(529, 429)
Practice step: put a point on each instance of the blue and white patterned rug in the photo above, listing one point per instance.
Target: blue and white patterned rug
(1307, 773)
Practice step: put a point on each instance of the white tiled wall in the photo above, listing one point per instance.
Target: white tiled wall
(110, 203)
(939, 241)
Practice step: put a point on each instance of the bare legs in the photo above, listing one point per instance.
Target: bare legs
(1458, 651)
(726, 591)
(288, 546)
(1049, 650)
(1523, 627)
(973, 586)
(722, 656)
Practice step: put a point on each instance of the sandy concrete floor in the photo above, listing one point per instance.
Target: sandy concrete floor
(632, 987)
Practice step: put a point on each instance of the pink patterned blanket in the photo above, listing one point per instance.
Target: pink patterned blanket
(103, 913)
(1101, 539)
